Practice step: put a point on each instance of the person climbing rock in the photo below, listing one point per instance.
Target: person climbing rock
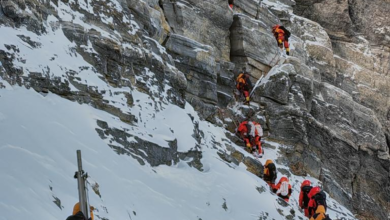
(320, 214)
(270, 174)
(282, 34)
(244, 84)
(284, 189)
(317, 197)
(251, 133)
(78, 215)
(231, 2)
(303, 196)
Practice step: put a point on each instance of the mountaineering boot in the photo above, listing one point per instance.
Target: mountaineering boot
(288, 51)
(246, 100)
(280, 44)
(249, 148)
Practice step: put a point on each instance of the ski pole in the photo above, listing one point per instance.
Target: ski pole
(81, 177)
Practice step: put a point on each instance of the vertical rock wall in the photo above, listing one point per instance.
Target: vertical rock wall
(200, 45)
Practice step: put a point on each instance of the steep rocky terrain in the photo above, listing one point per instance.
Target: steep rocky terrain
(329, 100)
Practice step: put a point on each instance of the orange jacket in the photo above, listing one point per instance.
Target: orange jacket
(306, 184)
(241, 82)
(312, 203)
(320, 213)
(76, 209)
(301, 199)
(251, 133)
(284, 179)
(266, 170)
(244, 133)
(278, 32)
(243, 129)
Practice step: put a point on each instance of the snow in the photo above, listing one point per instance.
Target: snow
(45, 136)
(48, 154)
(57, 55)
(275, 70)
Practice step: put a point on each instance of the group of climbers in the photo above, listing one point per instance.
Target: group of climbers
(243, 82)
(313, 201)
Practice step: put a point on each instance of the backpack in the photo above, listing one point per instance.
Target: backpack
(305, 191)
(272, 172)
(240, 81)
(327, 218)
(283, 190)
(240, 76)
(287, 33)
(321, 217)
(320, 199)
(78, 216)
(259, 130)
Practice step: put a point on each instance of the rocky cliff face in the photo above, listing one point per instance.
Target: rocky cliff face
(360, 37)
(330, 99)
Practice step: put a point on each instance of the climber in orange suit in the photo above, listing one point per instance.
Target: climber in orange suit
(251, 133)
(284, 189)
(282, 34)
(303, 196)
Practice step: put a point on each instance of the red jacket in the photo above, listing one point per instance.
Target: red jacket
(312, 203)
(243, 129)
(278, 32)
(307, 186)
(284, 179)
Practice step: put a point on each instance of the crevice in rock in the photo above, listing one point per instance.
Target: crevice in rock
(165, 40)
(387, 141)
(161, 4)
(350, 12)
(2, 10)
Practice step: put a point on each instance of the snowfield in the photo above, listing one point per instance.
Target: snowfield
(38, 142)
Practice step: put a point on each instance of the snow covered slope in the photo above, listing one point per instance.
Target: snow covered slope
(38, 142)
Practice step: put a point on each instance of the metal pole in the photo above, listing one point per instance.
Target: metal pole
(81, 185)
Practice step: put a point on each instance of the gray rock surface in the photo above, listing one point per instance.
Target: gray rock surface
(344, 19)
(206, 22)
(144, 151)
(253, 39)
